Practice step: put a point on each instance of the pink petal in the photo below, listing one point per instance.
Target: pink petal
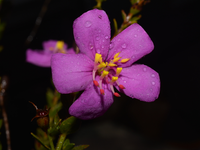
(38, 58)
(140, 82)
(133, 43)
(71, 51)
(51, 44)
(71, 72)
(92, 33)
(91, 103)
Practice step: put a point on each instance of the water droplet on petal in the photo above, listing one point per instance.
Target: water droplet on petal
(144, 69)
(97, 38)
(153, 83)
(153, 75)
(88, 24)
(124, 45)
(124, 81)
(98, 51)
(106, 37)
(103, 40)
(118, 40)
(111, 45)
(102, 46)
(135, 35)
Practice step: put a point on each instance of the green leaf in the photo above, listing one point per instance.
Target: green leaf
(67, 145)
(55, 129)
(135, 19)
(115, 26)
(70, 125)
(55, 109)
(124, 16)
(80, 147)
(134, 11)
(134, 1)
(40, 141)
(50, 96)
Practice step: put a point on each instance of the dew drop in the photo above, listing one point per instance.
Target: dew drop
(135, 35)
(111, 45)
(97, 38)
(153, 83)
(144, 69)
(102, 46)
(124, 81)
(124, 45)
(106, 37)
(103, 40)
(98, 51)
(88, 24)
(118, 40)
(153, 75)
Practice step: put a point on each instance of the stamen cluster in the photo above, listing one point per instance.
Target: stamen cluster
(108, 71)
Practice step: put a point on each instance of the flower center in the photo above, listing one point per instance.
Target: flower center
(108, 71)
(59, 47)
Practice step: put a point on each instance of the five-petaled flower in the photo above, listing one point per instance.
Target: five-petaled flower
(42, 58)
(102, 65)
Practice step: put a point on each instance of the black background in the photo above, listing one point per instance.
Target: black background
(171, 121)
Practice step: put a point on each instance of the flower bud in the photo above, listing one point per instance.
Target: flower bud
(42, 116)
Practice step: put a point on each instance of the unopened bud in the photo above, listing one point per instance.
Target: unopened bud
(42, 116)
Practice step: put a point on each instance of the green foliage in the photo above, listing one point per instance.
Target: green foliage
(67, 145)
(70, 125)
(132, 17)
(99, 3)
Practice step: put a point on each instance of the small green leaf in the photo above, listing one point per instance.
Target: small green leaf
(70, 125)
(136, 18)
(134, 11)
(55, 129)
(124, 16)
(67, 145)
(80, 147)
(41, 142)
(134, 1)
(115, 26)
(49, 96)
(55, 109)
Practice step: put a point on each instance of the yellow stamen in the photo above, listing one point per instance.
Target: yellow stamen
(104, 73)
(111, 64)
(114, 78)
(98, 58)
(125, 60)
(116, 55)
(116, 59)
(102, 65)
(118, 70)
(60, 45)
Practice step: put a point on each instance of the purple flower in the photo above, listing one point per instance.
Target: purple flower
(42, 58)
(102, 65)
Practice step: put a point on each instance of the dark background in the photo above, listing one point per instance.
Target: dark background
(171, 122)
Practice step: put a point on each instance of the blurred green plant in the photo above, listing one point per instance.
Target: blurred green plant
(99, 3)
(57, 129)
(132, 17)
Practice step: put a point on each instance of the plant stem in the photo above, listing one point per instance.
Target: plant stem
(60, 141)
(51, 142)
